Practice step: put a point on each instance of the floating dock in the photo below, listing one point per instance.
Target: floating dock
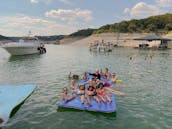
(12, 96)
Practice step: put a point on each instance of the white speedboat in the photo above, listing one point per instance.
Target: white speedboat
(25, 46)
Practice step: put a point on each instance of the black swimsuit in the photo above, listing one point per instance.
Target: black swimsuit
(94, 94)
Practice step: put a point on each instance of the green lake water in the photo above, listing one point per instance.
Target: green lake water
(147, 84)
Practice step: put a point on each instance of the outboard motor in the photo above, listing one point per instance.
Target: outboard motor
(44, 49)
(41, 50)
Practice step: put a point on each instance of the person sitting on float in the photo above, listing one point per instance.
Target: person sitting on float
(101, 73)
(101, 93)
(78, 92)
(84, 76)
(64, 93)
(91, 92)
(73, 85)
(107, 74)
(96, 74)
(114, 78)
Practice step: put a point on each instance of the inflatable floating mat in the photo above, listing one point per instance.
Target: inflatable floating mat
(76, 104)
(10, 98)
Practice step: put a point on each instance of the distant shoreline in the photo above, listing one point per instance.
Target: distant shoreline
(120, 39)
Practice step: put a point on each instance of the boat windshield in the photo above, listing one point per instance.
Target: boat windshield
(28, 39)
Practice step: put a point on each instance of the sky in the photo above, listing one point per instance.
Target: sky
(56, 17)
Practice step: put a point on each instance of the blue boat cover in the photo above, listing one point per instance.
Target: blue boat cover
(10, 97)
(76, 103)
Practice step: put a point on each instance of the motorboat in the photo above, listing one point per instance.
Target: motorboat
(25, 46)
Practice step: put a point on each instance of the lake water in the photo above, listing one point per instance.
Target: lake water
(147, 84)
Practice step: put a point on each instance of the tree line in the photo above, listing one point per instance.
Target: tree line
(155, 24)
(160, 23)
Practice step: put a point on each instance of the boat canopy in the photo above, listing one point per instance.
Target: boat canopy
(153, 37)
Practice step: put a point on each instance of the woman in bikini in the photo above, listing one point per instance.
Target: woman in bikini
(91, 92)
(114, 78)
(78, 92)
(64, 93)
(72, 84)
(107, 74)
(101, 93)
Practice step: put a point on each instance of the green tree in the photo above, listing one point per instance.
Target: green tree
(132, 27)
(151, 27)
(122, 27)
(168, 27)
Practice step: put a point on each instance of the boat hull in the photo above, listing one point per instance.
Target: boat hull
(22, 50)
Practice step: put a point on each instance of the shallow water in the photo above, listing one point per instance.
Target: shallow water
(147, 84)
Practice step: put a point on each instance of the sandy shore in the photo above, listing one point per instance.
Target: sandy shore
(122, 39)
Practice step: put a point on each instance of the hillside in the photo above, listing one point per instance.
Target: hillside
(156, 24)
(3, 38)
(84, 32)
(50, 38)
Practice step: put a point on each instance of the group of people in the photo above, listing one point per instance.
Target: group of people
(145, 58)
(101, 46)
(92, 87)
